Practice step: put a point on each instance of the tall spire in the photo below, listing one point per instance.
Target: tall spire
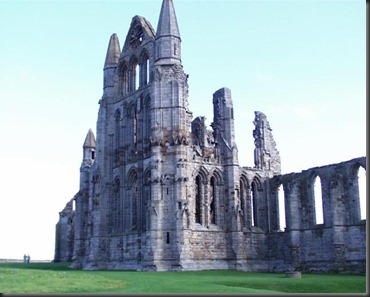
(167, 24)
(89, 149)
(168, 40)
(113, 52)
(89, 140)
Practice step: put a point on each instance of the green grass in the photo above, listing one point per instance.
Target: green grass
(58, 278)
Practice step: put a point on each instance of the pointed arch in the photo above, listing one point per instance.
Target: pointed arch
(116, 207)
(256, 188)
(253, 210)
(140, 32)
(133, 197)
(214, 197)
(281, 208)
(117, 135)
(95, 197)
(200, 183)
(318, 200)
(132, 127)
(361, 181)
(147, 196)
(146, 123)
(358, 174)
(244, 197)
(123, 74)
(144, 67)
(134, 74)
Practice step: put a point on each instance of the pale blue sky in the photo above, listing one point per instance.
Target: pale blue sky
(302, 63)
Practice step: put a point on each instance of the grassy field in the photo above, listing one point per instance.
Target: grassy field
(58, 278)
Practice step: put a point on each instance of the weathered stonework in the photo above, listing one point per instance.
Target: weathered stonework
(160, 191)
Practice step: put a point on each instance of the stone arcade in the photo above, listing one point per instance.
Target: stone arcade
(160, 191)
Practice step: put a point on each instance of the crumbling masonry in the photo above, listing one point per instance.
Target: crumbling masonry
(160, 191)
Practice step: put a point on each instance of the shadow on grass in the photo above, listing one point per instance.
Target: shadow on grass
(38, 265)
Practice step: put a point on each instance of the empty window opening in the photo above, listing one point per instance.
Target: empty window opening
(147, 71)
(167, 191)
(213, 201)
(92, 155)
(282, 217)
(253, 204)
(168, 237)
(137, 76)
(74, 205)
(319, 214)
(135, 202)
(179, 205)
(242, 199)
(124, 82)
(361, 174)
(135, 130)
(197, 200)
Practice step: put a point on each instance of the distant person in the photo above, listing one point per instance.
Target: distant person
(28, 259)
(25, 258)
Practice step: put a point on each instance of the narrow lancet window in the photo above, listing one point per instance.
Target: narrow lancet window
(361, 174)
(197, 200)
(147, 72)
(242, 199)
(135, 194)
(213, 201)
(253, 204)
(282, 217)
(319, 214)
(137, 76)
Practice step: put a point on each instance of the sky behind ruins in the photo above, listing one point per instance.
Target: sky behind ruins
(302, 63)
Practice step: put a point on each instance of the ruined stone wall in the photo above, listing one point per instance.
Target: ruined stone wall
(339, 243)
(64, 234)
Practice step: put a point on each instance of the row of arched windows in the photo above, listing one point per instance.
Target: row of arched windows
(129, 209)
(317, 195)
(210, 204)
(131, 129)
(134, 75)
(208, 199)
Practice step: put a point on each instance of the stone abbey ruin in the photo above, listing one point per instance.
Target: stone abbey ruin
(160, 191)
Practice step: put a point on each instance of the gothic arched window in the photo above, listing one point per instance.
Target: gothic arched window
(254, 199)
(124, 81)
(361, 175)
(147, 193)
(146, 120)
(213, 201)
(243, 198)
(144, 69)
(319, 214)
(198, 199)
(116, 207)
(281, 204)
(117, 136)
(132, 204)
(134, 75)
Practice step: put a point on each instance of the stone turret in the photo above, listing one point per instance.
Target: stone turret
(168, 40)
(89, 147)
(111, 63)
